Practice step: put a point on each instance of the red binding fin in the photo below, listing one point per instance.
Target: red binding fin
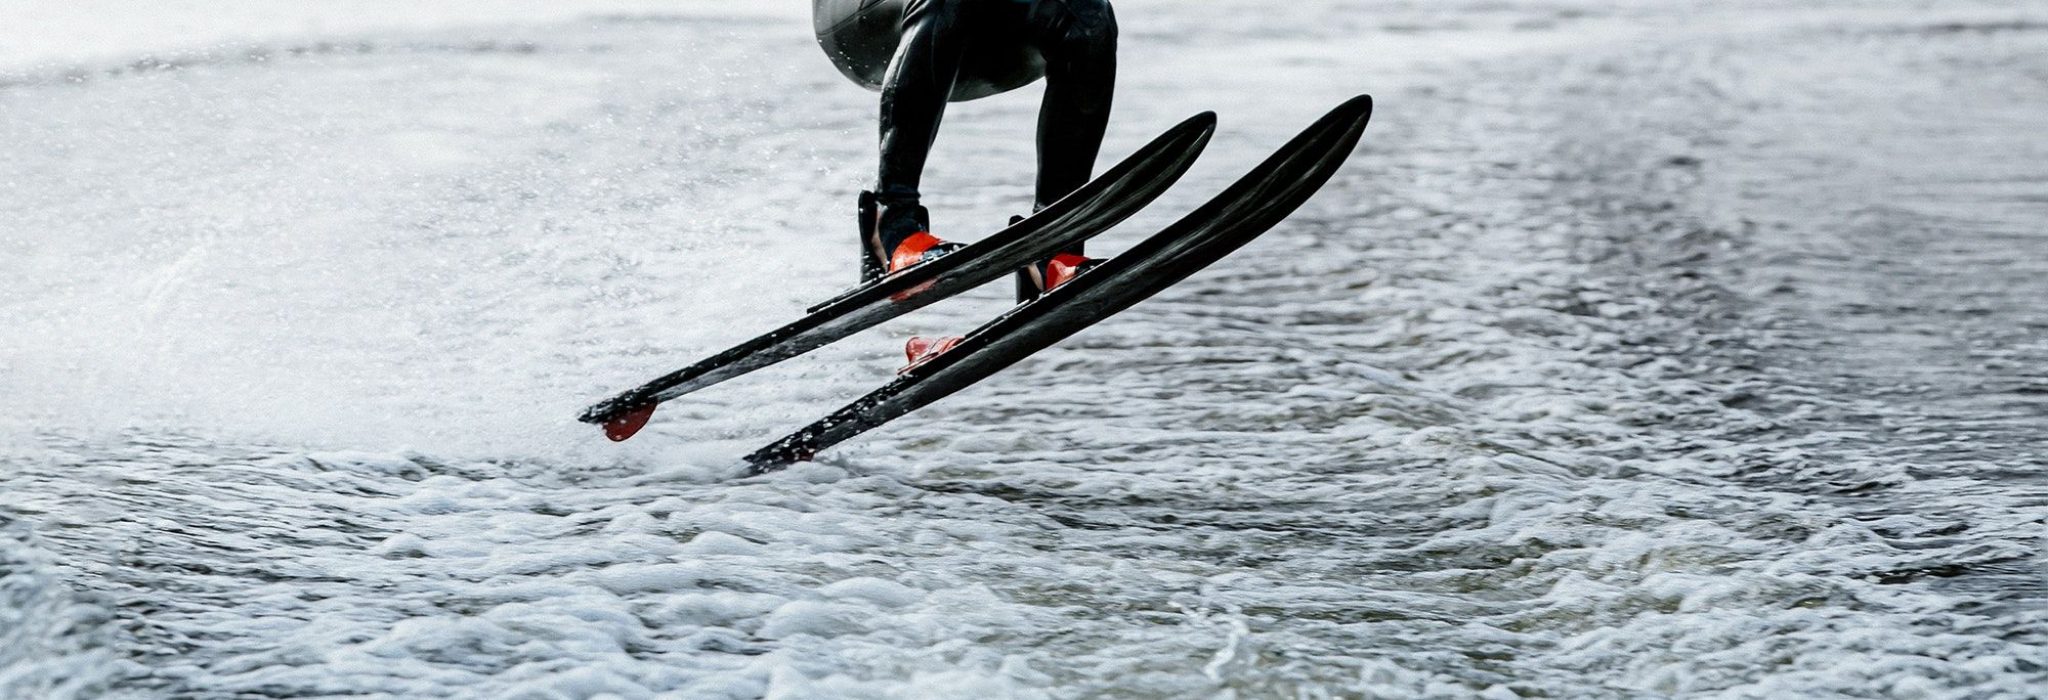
(628, 424)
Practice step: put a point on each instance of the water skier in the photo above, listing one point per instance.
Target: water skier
(922, 54)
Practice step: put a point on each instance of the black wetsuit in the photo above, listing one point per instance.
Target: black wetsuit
(923, 53)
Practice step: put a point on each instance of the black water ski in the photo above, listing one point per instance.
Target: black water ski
(1247, 209)
(1095, 207)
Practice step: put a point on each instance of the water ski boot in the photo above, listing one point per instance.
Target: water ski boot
(896, 233)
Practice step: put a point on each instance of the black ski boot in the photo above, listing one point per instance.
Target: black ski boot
(1032, 281)
(895, 233)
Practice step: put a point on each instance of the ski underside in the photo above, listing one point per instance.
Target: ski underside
(1102, 203)
(1247, 209)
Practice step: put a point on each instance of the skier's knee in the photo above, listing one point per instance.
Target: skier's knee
(1088, 29)
(1091, 21)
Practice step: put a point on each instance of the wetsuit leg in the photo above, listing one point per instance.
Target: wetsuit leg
(1078, 41)
(914, 93)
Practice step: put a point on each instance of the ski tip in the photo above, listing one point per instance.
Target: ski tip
(628, 424)
(1361, 104)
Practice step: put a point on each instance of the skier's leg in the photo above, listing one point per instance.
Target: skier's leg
(1079, 46)
(1078, 39)
(915, 91)
(919, 83)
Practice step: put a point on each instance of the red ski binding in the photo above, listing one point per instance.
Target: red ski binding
(921, 350)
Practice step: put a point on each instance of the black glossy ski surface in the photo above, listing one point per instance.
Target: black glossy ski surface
(1095, 207)
(1250, 207)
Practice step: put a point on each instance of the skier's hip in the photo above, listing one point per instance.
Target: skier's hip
(1004, 38)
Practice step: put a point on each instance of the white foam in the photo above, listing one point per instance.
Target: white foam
(295, 345)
